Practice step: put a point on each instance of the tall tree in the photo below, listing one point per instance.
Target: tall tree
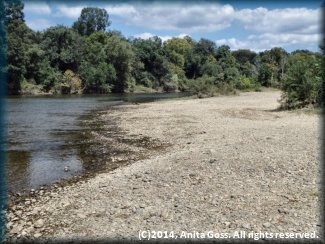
(17, 40)
(13, 11)
(120, 54)
(91, 20)
(63, 47)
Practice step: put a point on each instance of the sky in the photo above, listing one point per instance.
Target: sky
(255, 25)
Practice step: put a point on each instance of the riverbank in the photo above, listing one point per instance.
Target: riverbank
(222, 164)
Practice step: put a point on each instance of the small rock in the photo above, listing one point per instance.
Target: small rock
(214, 202)
(164, 214)
(9, 224)
(227, 223)
(37, 235)
(81, 216)
(211, 161)
(246, 226)
(267, 224)
(16, 229)
(39, 223)
(283, 210)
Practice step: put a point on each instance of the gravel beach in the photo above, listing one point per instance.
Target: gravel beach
(220, 164)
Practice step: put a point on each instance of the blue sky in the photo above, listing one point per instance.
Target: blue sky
(257, 25)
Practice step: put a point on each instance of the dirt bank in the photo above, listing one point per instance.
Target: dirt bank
(232, 163)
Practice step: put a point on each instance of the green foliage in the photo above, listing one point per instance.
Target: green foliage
(119, 53)
(207, 86)
(203, 86)
(86, 58)
(73, 81)
(243, 56)
(63, 47)
(91, 20)
(97, 78)
(17, 46)
(13, 11)
(245, 83)
(170, 83)
(302, 84)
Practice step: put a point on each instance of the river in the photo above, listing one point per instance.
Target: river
(39, 130)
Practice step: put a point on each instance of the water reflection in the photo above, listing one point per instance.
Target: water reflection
(43, 135)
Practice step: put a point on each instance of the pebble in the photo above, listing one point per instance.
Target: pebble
(246, 226)
(283, 210)
(227, 223)
(267, 224)
(170, 194)
(39, 223)
(37, 235)
(81, 216)
(16, 229)
(211, 161)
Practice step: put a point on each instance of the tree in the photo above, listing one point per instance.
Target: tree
(91, 20)
(302, 85)
(120, 54)
(13, 11)
(95, 71)
(17, 46)
(153, 57)
(63, 47)
(176, 49)
(17, 41)
(243, 56)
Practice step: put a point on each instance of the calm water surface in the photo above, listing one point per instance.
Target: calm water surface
(39, 129)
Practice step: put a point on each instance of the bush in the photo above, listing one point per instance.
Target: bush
(208, 86)
(244, 83)
(302, 84)
(170, 83)
(73, 81)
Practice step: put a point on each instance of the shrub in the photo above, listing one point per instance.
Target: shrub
(302, 84)
(170, 83)
(244, 83)
(73, 81)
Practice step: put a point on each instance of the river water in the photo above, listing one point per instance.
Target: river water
(39, 130)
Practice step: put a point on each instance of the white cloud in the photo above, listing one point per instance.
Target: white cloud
(145, 35)
(210, 17)
(148, 35)
(175, 17)
(288, 20)
(37, 8)
(72, 12)
(121, 9)
(269, 40)
(39, 24)
(204, 17)
(267, 27)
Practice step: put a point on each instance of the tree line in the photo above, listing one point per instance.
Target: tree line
(88, 58)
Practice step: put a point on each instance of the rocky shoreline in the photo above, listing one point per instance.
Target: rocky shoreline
(26, 222)
(223, 164)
